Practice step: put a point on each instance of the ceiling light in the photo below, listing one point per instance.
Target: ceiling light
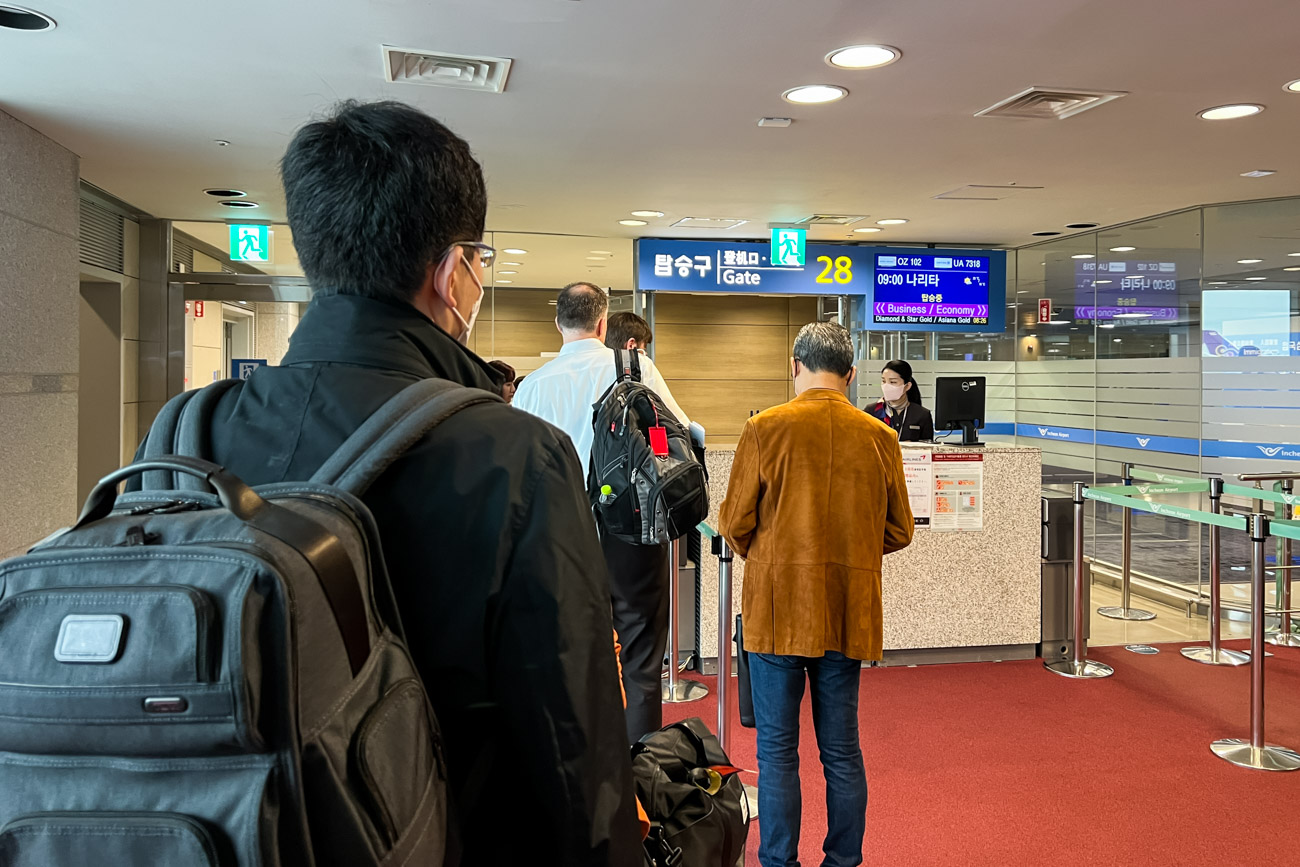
(891, 222)
(633, 223)
(1218, 282)
(651, 214)
(1118, 340)
(600, 252)
(868, 230)
(241, 204)
(776, 122)
(1293, 268)
(1082, 225)
(514, 251)
(1258, 173)
(814, 94)
(595, 258)
(226, 194)
(1256, 278)
(1122, 249)
(1083, 256)
(505, 281)
(27, 20)
(1132, 315)
(863, 56)
(1044, 234)
(1249, 261)
(221, 143)
(1230, 112)
(510, 264)
(1292, 86)
(1104, 282)
(1293, 254)
(507, 272)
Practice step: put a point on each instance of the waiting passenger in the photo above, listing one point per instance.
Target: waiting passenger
(486, 528)
(900, 407)
(812, 583)
(508, 386)
(562, 391)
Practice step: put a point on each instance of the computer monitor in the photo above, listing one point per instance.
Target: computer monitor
(959, 403)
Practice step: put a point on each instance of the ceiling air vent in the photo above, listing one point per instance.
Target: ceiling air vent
(830, 220)
(1049, 103)
(439, 69)
(985, 192)
(707, 223)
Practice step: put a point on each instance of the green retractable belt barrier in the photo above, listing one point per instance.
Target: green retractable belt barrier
(1145, 489)
(1157, 476)
(1231, 522)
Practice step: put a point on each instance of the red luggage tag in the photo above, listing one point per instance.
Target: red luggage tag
(659, 442)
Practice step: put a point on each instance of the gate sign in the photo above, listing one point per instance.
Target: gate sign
(250, 242)
(242, 368)
(788, 247)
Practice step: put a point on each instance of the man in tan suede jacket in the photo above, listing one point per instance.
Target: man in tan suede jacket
(816, 498)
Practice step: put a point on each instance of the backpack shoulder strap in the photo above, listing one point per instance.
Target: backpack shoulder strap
(160, 441)
(636, 364)
(193, 436)
(393, 429)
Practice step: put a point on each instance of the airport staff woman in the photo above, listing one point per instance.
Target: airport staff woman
(900, 408)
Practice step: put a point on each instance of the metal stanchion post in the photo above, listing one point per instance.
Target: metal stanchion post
(1214, 654)
(1255, 753)
(725, 622)
(1079, 665)
(674, 689)
(1124, 611)
(1285, 637)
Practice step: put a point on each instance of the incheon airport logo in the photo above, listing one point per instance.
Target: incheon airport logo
(1042, 431)
(1144, 441)
(1270, 451)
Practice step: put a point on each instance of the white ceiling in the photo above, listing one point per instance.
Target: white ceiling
(614, 105)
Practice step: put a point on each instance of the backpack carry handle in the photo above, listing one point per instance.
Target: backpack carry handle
(236, 496)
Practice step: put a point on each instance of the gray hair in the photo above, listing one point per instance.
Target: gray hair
(580, 306)
(824, 347)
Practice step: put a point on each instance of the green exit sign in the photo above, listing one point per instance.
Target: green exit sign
(788, 247)
(250, 242)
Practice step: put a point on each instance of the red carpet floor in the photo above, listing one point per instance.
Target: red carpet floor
(1009, 764)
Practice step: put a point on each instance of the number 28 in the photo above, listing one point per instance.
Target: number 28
(843, 268)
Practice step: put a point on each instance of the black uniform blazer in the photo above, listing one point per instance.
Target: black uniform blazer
(913, 425)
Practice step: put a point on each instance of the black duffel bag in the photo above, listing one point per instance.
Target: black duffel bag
(699, 816)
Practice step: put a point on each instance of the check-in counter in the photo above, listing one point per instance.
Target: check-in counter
(968, 588)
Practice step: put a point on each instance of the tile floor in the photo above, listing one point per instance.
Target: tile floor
(1170, 624)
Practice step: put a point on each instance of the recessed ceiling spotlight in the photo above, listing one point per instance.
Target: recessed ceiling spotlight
(505, 281)
(511, 264)
(1082, 225)
(650, 214)
(1292, 268)
(1044, 234)
(868, 230)
(595, 258)
(814, 94)
(221, 143)
(894, 221)
(633, 223)
(1293, 254)
(226, 194)
(26, 20)
(600, 253)
(863, 56)
(1083, 256)
(514, 251)
(1230, 112)
(1218, 283)
(1259, 173)
(241, 204)
(1256, 278)
(1122, 249)
(1249, 261)
(1104, 282)
(1292, 86)
(507, 272)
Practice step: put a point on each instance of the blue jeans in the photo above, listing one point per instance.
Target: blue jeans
(777, 684)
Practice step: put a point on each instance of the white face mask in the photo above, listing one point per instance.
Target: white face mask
(473, 314)
(892, 392)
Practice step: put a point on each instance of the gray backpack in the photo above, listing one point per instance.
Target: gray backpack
(189, 678)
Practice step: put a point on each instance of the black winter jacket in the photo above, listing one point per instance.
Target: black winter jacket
(497, 569)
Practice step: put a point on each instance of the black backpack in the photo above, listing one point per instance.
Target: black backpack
(698, 809)
(199, 678)
(645, 483)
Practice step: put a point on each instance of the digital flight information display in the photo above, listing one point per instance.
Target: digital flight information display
(924, 289)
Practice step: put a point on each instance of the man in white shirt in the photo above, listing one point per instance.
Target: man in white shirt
(563, 392)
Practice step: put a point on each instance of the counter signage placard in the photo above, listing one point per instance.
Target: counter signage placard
(903, 289)
(919, 476)
(958, 491)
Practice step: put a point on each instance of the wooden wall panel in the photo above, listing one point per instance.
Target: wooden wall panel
(723, 405)
(726, 352)
(517, 338)
(672, 309)
(519, 305)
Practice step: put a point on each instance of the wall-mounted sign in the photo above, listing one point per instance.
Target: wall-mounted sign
(242, 368)
(904, 289)
(1044, 311)
(250, 242)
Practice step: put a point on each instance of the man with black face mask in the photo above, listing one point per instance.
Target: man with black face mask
(485, 523)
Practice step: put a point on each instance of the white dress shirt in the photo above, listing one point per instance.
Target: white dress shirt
(563, 390)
